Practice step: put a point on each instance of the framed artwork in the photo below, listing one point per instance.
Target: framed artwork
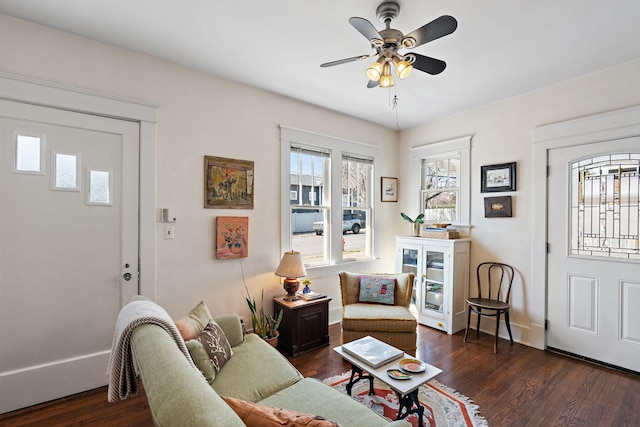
(497, 207)
(228, 183)
(389, 189)
(232, 237)
(501, 177)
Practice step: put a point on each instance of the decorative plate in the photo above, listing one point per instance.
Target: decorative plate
(397, 374)
(412, 365)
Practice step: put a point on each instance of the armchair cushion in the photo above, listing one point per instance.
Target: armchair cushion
(382, 318)
(377, 290)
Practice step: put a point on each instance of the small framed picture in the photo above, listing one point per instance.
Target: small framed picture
(389, 189)
(501, 177)
(497, 207)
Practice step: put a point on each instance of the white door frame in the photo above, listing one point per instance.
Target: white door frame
(37, 92)
(618, 124)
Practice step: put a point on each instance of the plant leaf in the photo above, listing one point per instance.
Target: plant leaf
(406, 217)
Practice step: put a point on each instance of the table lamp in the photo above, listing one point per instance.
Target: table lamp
(291, 267)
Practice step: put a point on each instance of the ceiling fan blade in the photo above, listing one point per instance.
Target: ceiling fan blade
(365, 28)
(344, 61)
(435, 29)
(373, 83)
(428, 65)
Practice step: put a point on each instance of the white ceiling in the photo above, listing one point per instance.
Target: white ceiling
(501, 48)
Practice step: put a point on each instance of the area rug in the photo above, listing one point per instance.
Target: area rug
(443, 405)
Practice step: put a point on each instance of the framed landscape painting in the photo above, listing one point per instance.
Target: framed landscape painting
(500, 177)
(228, 183)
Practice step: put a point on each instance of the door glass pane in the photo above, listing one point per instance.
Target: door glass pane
(99, 188)
(29, 153)
(65, 171)
(434, 282)
(605, 212)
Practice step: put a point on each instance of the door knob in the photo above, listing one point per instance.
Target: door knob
(126, 277)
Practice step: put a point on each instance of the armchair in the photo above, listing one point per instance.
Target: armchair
(391, 323)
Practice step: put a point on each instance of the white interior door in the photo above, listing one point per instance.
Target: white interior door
(69, 197)
(593, 261)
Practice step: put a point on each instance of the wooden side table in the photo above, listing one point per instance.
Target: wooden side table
(305, 324)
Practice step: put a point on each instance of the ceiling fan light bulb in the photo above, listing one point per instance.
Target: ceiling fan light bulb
(374, 71)
(403, 68)
(386, 80)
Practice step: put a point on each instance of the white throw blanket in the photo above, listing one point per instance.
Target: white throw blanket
(122, 371)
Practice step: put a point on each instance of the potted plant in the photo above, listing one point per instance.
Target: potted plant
(265, 325)
(415, 223)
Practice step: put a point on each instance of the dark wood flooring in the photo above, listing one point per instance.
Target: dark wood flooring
(519, 386)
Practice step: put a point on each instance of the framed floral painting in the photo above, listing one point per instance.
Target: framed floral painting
(232, 237)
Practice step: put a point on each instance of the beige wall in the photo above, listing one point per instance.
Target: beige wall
(201, 115)
(501, 133)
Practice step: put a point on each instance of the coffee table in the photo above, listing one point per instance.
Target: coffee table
(407, 389)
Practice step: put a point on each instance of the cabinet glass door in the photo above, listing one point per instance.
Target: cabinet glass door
(434, 282)
(410, 265)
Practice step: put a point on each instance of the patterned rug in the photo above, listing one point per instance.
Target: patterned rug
(443, 405)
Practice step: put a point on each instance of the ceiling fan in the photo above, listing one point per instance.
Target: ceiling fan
(388, 44)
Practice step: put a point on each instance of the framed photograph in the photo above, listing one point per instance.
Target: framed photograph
(228, 183)
(500, 177)
(232, 237)
(389, 189)
(497, 207)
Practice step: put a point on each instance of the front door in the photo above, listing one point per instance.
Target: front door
(69, 247)
(594, 258)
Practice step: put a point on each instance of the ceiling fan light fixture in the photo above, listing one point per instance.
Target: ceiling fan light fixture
(386, 80)
(375, 70)
(403, 68)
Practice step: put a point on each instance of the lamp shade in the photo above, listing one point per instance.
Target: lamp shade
(291, 265)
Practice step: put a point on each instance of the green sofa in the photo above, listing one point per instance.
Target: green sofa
(179, 396)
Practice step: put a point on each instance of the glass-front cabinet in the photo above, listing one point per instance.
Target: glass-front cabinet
(441, 268)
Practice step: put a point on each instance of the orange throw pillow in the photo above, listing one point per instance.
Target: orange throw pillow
(254, 415)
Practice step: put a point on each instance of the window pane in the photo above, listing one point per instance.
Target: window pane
(99, 191)
(605, 207)
(306, 177)
(355, 240)
(66, 171)
(306, 188)
(308, 236)
(356, 179)
(28, 153)
(440, 205)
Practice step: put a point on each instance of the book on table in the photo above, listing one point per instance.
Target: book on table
(371, 351)
(309, 296)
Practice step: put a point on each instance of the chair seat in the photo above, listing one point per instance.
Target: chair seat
(377, 317)
(487, 303)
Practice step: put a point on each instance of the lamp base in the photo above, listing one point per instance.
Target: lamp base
(291, 285)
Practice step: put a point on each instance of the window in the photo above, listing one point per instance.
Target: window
(605, 211)
(442, 180)
(357, 174)
(28, 153)
(66, 172)
(441, 189)
(100, 187)
(327, 188)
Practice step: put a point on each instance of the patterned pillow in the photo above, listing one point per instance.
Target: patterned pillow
(377, 290)
(216, 345)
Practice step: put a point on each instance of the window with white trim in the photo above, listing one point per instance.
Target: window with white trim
(443, 180)
(326, 197)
